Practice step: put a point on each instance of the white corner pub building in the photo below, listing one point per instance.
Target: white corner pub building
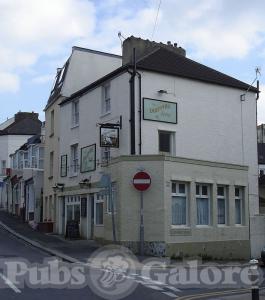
(186, 125)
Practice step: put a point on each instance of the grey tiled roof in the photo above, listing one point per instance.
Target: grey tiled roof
(168, 62)
(24, 124)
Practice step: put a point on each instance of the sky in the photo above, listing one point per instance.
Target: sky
(37, 36)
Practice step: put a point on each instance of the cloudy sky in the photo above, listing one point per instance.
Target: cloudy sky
(37, 36)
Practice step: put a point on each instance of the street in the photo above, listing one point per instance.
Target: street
(11, 247)
(139, 287)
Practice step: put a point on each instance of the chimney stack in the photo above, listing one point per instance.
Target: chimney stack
(26, 115)
(144, 47)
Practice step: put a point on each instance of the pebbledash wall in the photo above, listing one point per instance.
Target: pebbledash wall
(215, 143)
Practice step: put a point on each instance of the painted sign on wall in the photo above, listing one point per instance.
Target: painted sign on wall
(88, 158)
(158, 110)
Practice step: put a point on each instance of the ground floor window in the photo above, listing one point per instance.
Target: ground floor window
(179, 203)
(222, 193)
(99, 209)
(239, 193)
(73, 208)
(203, 204)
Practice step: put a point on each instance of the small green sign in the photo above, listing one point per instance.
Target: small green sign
(158, 110)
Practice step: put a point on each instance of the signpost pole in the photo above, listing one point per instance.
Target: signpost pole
(112, 214)
(141, 182)
(141, 224)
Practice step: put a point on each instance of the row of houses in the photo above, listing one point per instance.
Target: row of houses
(190, 127)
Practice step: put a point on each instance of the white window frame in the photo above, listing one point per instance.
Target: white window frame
(51, 163)
(20, 159)
(15, 161)
(224, 198)
(177, 193)
(106, 99)
(40, 158)
(74, 161)
(34, 163)
(171, 141)
(105, 155)
(241, 199)
(61, 74)
(75, 113)
(99, 200)
(3, 167)
(201, 196)
(52, 123)
(26, 160)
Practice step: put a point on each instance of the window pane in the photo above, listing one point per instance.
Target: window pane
(179, 210)
(221, 211)
(69, 212)
(202, 211)
(220, 191)
(164, 141)
(107, 91)
(182, 188)
(205, 190)
(99, 213)
(77, 213)
(197, 189)
(107, 103)
(238, 217)
(174, 187)
(237, 192)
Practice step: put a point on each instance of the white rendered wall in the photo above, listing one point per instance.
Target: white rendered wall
(86, 67)
(9, 144)
(87, 132)
(209, 124)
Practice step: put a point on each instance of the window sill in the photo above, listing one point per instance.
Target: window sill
(74, 126)
(105, 114)
(73, 175)
(204, 226)
(99, 225)
(180, 231)
(50, 177)
(180, 226)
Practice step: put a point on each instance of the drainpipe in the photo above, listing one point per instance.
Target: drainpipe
(132, 104)
(140, 111)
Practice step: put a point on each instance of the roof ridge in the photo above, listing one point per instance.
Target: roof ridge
(96, 51)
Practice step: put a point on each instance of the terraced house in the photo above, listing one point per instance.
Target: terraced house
(191, 128)
(83, 67)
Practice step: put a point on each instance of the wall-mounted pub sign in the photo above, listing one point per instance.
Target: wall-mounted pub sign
(109, 136)
(158, 110)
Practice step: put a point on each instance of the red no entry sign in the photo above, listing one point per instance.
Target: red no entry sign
(141, 181)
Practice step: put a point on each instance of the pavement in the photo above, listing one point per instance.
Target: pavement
(68, 250)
